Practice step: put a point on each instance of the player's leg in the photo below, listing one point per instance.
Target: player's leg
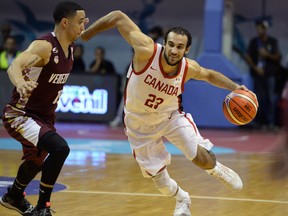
(206, 160)
(26, 131)
(197, 149)
(153, 158)
(15, 196)
(156, 158)
(169, 187)
(58, 150)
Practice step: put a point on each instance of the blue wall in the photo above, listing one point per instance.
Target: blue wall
(203, 100)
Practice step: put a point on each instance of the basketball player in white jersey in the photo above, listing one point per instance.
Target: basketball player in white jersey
(155, 82)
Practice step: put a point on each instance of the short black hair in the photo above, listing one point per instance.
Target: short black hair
(11, 37)
(156, 30)
(182, 31)
(263, 23)
(101, 49)
(65, 9)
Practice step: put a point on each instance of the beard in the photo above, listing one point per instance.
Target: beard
(169, 63)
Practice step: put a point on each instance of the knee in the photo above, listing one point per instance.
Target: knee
(204, 159)
(64, 151)
(53, 142)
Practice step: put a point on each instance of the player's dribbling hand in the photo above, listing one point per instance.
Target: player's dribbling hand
(25, 88)
(243, 87)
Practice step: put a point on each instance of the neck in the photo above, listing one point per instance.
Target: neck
(264, 37)
(61, 37)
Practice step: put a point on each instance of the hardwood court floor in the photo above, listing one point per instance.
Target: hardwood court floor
(112, 184)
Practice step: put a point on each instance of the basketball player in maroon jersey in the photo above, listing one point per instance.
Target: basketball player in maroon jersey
(39, 74)
(155, 82)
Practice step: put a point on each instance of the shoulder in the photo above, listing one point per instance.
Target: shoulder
(108, 61)
(193, 68)
(40, 48)
(272, 39)
(192, 64)
(143, 46)
(40, 44)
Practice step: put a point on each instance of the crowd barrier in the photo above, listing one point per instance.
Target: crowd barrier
(85, 97)
(94, 98)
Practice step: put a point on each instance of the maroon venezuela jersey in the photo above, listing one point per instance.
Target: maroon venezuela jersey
(50, 78)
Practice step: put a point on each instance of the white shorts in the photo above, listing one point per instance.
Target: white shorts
(146, 140)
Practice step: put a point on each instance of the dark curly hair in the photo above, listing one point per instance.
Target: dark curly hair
(179, 30)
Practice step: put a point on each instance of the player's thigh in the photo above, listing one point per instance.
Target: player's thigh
(147, 146)
(183, 133)
(152, 158)
(27, 131)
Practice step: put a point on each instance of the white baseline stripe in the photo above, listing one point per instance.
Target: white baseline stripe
(160, 195)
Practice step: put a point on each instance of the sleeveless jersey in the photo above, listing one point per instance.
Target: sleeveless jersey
(152, 95)
(50, 78)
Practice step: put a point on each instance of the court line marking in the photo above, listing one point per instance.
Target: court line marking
(160, 195)
(226, 160)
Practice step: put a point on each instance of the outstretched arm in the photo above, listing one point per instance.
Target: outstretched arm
(218, 79)
(141, 43)
(195, 71)
(115, 19)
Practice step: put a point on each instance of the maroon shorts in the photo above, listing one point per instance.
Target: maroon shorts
(27, 129)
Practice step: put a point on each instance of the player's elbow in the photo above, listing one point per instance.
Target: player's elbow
(118, 18)
(117, 14)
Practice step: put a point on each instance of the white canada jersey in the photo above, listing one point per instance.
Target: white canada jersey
(152, 95)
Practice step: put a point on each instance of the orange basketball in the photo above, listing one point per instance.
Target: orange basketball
(240, 107)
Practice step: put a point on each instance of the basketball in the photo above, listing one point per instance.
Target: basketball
(240, 107)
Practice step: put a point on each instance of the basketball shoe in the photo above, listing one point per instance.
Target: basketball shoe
(21, 205)
(46, 211)
(227, 176)
(182, 207)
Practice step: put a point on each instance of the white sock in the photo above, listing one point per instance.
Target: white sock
(209, 171)
(181, 194)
